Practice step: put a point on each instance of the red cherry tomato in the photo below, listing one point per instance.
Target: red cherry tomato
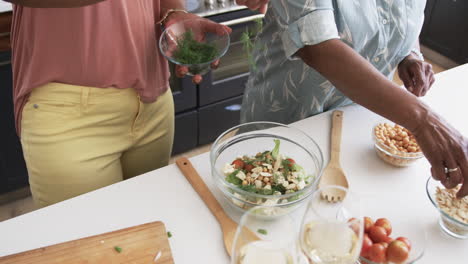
(377, 253)
(378, 234)
(406, 241)
(368, 223)
(248, 167)
(397, 251)
(238, 164)
(366, 245)
(384, 244)
(197, 79)
(388, 240)
(383, 222)
(291, 162)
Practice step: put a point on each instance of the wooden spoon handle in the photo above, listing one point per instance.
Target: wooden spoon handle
(200, 187)
(337, 123)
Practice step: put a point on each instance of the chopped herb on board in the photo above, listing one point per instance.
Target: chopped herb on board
(169, 234)
(118, 249)
(262, 231)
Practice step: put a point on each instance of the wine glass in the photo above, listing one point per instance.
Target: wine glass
(332, 233)
(274, 240)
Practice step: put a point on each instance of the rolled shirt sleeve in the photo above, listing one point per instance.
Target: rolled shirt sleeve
(305, 22)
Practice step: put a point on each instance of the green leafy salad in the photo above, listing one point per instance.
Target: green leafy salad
(267, 173)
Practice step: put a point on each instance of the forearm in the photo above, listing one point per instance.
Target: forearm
(362, 83)
(171, 4)
(54, 3)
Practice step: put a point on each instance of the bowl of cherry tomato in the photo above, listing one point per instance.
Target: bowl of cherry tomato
(388, 242)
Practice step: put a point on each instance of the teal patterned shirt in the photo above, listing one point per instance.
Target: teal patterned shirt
(282, 88)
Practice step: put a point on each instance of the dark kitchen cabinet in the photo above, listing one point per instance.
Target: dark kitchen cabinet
(217, 118)
(214, 91)
(445, 28)
(186, 132)
(184, 91)
(13, 173)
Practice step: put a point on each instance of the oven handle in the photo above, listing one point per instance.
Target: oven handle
(3, 63)
(242, 20)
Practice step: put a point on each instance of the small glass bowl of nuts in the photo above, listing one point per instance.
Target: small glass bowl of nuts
(453, 211)
(395, 144)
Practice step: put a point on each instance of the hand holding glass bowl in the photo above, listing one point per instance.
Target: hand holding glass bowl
(195, 45)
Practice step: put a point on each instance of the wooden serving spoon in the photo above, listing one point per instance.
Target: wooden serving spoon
(333, 173)
(228, 226)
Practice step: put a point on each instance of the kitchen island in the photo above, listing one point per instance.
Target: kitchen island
(165, 194)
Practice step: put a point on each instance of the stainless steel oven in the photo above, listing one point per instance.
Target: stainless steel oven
(206, 110)
(231, 76)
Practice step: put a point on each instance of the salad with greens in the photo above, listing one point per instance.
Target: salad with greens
(267, 173)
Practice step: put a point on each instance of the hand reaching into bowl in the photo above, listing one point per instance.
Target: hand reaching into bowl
(205, 26)
(447, 151)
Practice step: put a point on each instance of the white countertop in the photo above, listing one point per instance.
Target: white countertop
(5, 7)
(165, 194)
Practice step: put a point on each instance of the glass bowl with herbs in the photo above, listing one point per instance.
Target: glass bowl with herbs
(268, 164)
(186, 44)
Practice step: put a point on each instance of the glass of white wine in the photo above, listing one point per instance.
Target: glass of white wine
(274, 239)
(332, 233)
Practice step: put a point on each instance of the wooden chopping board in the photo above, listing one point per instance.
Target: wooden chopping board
(139, 244)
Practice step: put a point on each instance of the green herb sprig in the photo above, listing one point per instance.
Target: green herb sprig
(248, 40)
(190, 51)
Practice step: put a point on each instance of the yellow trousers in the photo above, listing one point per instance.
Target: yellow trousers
(77, 139)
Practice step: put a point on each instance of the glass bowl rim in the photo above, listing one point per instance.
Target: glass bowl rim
(307, 190)
(221, 54)
(442, 212)
(399, 154)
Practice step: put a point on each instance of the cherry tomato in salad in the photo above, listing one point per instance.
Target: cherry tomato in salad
(238, 164)
(291, 162)
(248, 167)
(397, 251)
(406, 241)
(385, 223)
(378, 234)
(377, 253)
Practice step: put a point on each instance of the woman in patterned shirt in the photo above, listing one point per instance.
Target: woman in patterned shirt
(316, 55)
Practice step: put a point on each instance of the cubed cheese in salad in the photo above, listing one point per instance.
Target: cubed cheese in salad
(268, 173)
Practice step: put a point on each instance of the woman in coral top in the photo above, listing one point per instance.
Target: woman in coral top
(91, 91)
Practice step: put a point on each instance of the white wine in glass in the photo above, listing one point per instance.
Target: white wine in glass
(332, 233)
(276, 241)
(264, 252)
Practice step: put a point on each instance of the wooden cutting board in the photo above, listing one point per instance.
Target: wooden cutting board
(140, 245)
